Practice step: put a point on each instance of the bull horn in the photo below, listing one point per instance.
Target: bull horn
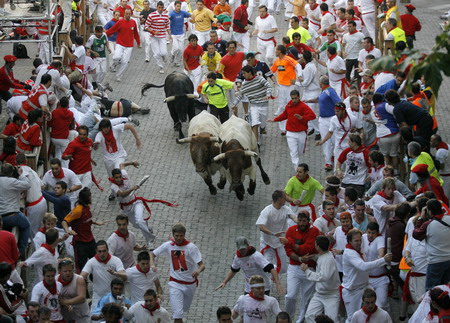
(214, 139)
(184, 140)
(169, 98)
(250, 153)
(219, 157)
(192, 96)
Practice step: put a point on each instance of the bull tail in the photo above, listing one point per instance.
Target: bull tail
(148, 86)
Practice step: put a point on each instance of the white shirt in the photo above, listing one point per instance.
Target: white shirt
(370, 250)
(34, 193)
(123, 248)
(379, 316)
(265, 24)
(41, 295)
(171, 7)
(56, 78)
(358, 115)
(322, 224)
(313, 16)
(184, 259)
(70, 178)
(340, 130)
(310, 82)
(356, 269)
(326, 21)
(377, 202)
(337, 64)
(341, 241)
(80, 53)
(120, 153)
(442, 156)
(353, 44)
(140, 282)
(142, 315)
(101, 277)
(39, 259)
(276, 221)
(418, 254)
(126, 185)
(253, 264)
(367, 6)
(255, 311)
(363, 53)
(312, 42)
(326, 275)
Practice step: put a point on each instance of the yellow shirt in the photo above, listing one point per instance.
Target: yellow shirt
(211, 62)
(394, 13)
(140, 5)
(305, 36)
(203, 19)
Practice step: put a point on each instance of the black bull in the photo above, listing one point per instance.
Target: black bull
(179, 91)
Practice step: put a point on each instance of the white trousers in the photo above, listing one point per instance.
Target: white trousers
(195, 76)
(122, 57)
(296, 142)
(369, 22)
(271, 255)
(380, 285)
(417, 289)
(298, 285)
(307, 95)
(203, 36)
(243, 39)
(273, 5)
(181, 297)
(159, 48)
(66, 7)
(85, 179)
(323, 304)
(135, 213)
(100, 69)
(103, 16)
(446, 185)
(111, 164)
(284, 96)
(178, 47)
(148, 44)
(35, 214)
(112, 48)
(352, 300)
(327, 147)
(44, 49)
(337, 86)
(267, 49)
(60, 146)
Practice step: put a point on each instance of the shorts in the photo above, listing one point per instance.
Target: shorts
(125, 105)
(258, 114)
(389, 145)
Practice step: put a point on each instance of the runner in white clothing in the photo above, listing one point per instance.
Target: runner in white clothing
(326, 298)
(336, 71)
(186, 264)
(256, 307)
(313, 14)
(252, 263)
(356, 272)
(265, 28)
(340, 238)
(140, 310)
(273, 223)
(370, 312)
(327, 223)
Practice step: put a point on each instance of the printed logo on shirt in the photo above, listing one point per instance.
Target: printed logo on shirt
(179, 260)
(256, 313)
(281, 68)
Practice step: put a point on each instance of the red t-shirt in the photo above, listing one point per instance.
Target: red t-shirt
(122, 10)
(10, 159)
(11, 129)
(233, 65)
(192, 56)
(8, 252)
(81, 155)
(60, 122)
(240, 14)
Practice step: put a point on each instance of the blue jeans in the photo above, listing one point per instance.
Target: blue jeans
(437, 274)
(20, 220)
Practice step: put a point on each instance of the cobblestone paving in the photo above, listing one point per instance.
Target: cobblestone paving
(212, 222)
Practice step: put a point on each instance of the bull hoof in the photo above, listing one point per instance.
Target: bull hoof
(213, 190)
(240, 196)
(266, 181)
(221, 185)
(251, 192)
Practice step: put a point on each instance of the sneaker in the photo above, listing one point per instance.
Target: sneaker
(147, 60)
(144, 110)
(246, 117)
(111, 197)
(262, 131)
(310, 132)
(172, 58)
(328, 167)
(108, 87)
(161, 71)
(283, 133)
(119, 79)
(134, 120)
(318, 137)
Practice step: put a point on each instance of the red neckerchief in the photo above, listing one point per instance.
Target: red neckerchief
(112, 180)
(314, 6)
(304, 181)
(442, 145)
(383, 195)
(103, 261)
(346, 231)
(329, 222)
(250, 251)
(42, 230)
(329, 43)
(332, 57)
(354, 32)
(63, 282)
(325, 12)
(252, 78)
(439, 216)
(349, 246)
(110, 142)
(123, 236)
(254, 297)
(141, 271)
(49, 248)
(370, 49)
(157, 306)
(116, 20)
(354, 110)
(264, 16)
(60, 175)
(342, 123)
(336, 204)
(378, 235)
(184, 243)
(368, 313)
(52, 289)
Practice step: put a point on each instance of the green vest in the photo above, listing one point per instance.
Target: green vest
(425, 158)
(99, 45)
(399, 35)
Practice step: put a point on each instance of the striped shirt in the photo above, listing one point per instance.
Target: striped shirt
(256, 90)
(157, 24)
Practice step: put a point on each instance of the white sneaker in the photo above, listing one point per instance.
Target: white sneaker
(119, 79)
(161, 71)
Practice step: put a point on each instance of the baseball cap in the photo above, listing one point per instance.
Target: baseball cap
(241, 243)
(10, 58)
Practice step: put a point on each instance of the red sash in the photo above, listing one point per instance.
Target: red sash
(406, 291)
(276, 256)
(145, 201)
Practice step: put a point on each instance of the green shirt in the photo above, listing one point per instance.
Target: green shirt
(334, 44)
(217, 95)
(304, 34)
(294, 188)
(98, 44)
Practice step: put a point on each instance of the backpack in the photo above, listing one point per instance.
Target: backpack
(20, 51)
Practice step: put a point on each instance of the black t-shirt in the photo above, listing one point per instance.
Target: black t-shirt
(144, 14)
(405, 111)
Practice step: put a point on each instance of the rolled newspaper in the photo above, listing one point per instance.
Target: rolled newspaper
(388, 248)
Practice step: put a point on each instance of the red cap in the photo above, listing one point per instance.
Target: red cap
(340, 106)
(10, 58)
(345, 215)
(420, 169)
(410, 7)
